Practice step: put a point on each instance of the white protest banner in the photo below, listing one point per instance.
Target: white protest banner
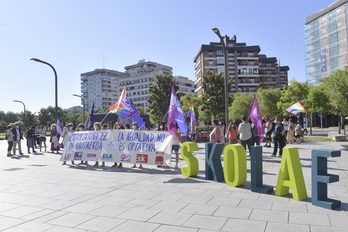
(125, 146)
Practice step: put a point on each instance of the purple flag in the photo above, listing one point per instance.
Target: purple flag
(59, 127)
(133, 114)
(90, 120)
(255, 117)
(175, 114)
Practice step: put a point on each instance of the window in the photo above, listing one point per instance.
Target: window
(219, 53)
(220, 61)
(210, 54)
(211, 62)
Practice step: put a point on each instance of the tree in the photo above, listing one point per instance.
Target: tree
(29, 119)
(159, 97)
(336, 86)
(241, 105)
(73, 116)
(213, 97)
(317, 101)
(291, 94)
(44, 117)
(268, 99)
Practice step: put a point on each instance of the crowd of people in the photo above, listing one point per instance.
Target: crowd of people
(36, 139)
(276, 132)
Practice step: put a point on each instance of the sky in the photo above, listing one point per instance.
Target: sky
(78, 36)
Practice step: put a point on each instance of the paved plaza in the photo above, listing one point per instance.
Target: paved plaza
(38, 193)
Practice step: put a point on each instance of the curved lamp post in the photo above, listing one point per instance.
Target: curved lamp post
(217, 32)
(20, 102)
(56, 84)
(83, 106)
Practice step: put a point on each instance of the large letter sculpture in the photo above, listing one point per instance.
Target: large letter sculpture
(186, 152)
(235, 165)
(290, 175)
(320, 178)
(256, 171)
(213, 166)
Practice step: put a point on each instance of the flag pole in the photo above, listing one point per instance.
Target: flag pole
(278, 114)
(104, 117)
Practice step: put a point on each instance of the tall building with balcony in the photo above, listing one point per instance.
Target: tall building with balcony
(326, 41)
(100, 86)
(104, 86)
(244, 67)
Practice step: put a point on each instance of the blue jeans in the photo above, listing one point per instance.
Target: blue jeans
(31, 142)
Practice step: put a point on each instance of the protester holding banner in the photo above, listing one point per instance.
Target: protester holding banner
(117, 126)
(80, 128)
(54, 139)
(69, 130)
(98, 127)
(161, 127)
(136, 127)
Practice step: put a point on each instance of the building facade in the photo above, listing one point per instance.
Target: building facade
(104, 86)
(326, 41)
(100, 86)
(248, 69)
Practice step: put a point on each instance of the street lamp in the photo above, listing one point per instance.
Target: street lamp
(83, 106)
(223, 43)
(56, 84)
(20, 102)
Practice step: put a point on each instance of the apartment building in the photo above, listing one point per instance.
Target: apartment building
(105, 86)
(326, 41)
(248, 69)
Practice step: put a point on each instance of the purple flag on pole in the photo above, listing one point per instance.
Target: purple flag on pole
(90, 120)
(255, 117)
(133, 114)
(59, 127)
(175, 114)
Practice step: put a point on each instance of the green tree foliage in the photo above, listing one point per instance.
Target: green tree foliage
(185, 104)
(159, 97)
(44, 117)
(318, 100)
(336, 87)
(291, 94)
(73, 116)
(213, 97)
(28, 119)
(268, 99)
(241, 106)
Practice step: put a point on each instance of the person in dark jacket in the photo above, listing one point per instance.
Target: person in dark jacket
(31, 139)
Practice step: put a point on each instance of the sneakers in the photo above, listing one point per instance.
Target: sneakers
(273, 156)
(159, 166)
(114, 166)
(20, 153)
(279, 156)
(120, 165)
(34, 151)
(140, 166)
(134, 166)
(103, 164)
(96, 164)
(28, 152)
(176, 167)
(64, 163)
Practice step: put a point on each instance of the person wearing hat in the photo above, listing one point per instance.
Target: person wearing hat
(268, 132)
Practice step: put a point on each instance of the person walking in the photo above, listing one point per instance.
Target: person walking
(244, 130)
(9, 138)
(232, 132)
(278, 138)
(18, 136)
(31, 139)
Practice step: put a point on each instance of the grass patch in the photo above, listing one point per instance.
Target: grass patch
(317, 139)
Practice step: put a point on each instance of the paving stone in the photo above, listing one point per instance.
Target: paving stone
(269, 215)
(169, 207)
(135, 226)
(30, 226)
(255, 204)
(206, 222)
(108, 211)
(176, 219)
(309, 219)
(8, 222)
(167, 228)
(286, 227)
(101, 224)
(70, 219)
(138, 214)
(199, 209)
(233, 212)
(241, 225)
